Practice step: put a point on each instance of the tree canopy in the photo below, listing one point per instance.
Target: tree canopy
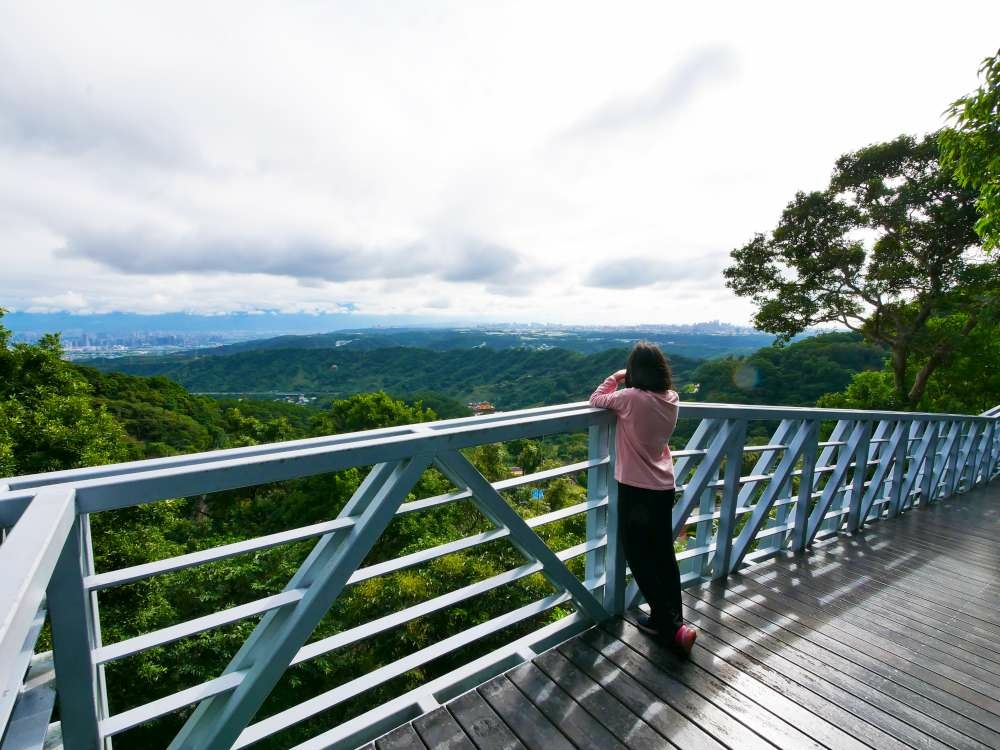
(888, 250)
(47, 419)
(971, 148)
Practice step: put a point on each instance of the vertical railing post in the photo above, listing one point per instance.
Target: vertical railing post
(860, 474)
(950, 459)
(928, 485)
(981, 453)
(898, 470)
(781, 514)
(764, 465)
(703, 534)
(607, 561)
(73, 640)
(841, 432)
(995, 449)
(992, 448)
(706, 502)
(967, 458)
(809, 451)
(730, 495)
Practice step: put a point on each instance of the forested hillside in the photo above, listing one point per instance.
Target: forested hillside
(794, 375)
(511, 378)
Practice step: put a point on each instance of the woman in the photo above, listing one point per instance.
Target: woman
(644, 469)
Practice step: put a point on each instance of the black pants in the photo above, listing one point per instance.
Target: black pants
(648, 542)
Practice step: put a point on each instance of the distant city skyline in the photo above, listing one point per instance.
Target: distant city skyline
(98, 325)
(439, 162)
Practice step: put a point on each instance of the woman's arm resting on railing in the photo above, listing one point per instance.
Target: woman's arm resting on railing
(607, 396)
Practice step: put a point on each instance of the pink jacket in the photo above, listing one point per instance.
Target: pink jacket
(645, 422)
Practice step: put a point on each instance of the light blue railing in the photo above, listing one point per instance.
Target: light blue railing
(820, 473)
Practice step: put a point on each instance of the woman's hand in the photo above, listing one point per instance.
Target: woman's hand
(619, 376)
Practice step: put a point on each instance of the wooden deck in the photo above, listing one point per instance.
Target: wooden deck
(888, 639)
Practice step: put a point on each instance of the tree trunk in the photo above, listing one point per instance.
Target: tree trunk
(938, 358)
(920, 382)
(899, 357)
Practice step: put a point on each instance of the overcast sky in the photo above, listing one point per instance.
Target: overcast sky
(562, 162)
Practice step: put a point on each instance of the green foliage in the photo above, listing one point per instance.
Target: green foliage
(971, 149)
(968, 384)
(867, 390)
(367, 411)
(886, 250)
(794, 375)
(529, 457)
(510, 378)
(492, 461)
(163, 419)
(443, 406)
(47, 419)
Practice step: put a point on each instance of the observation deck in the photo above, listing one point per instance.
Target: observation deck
(841, 567)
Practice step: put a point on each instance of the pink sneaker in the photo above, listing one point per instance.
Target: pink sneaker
(684, 638)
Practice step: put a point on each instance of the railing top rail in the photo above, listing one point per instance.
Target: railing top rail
(364, 444)
(144, 482)
(484, 421)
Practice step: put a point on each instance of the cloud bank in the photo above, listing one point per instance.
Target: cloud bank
(514, 161)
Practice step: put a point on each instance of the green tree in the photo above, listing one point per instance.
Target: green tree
(972, 148)
(530, 456)
(492, 460)
(47, 419)
(248, 430)
(968, 384)
(367, 411)
(886, 250)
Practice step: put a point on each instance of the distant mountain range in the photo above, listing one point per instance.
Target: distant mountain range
(265, 324)
(694, 344)
(512, 377)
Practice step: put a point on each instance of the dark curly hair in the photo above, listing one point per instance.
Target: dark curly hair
(647, 369)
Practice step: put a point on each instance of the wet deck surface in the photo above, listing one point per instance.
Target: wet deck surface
(888, 639)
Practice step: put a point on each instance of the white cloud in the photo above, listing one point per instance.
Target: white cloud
(514, 161)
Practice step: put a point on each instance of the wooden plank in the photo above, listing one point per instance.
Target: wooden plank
(625, 725)
(904, 577)
(981, 667)
(863, 685)
(439, 730)
(809, 673)
(927, 598)
(799, 692)
(861, 592)
(918, 531)
(913, 572)
(772, 728)
(663, 717)
(864, 644)
(800, 630)
(776, 702)
(583, 730)
(481, 723)
(969, 520)
(880, 580)
(401, 738)
(712, 719)
(521, 715)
